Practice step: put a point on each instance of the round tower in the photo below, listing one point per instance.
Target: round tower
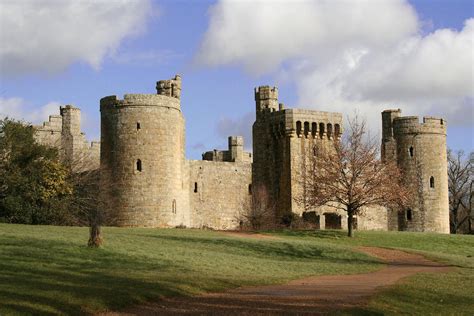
(142, 159)
(421, 155)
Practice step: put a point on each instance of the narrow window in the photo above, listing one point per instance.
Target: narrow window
(337, 130)
(314, 128)
(250, 189)
(329, 131)
(139, 165)
(321, 130)
(138, 126)
(173, 207)
(409, 214)
(432, 182)
(306, 129)
(441, 121)
(411, 151)
(298, 128)
(195, 187)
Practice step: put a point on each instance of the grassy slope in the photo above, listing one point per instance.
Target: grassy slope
(424, 294)
(48, 270)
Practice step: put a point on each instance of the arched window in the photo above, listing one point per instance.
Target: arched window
(432, 184)
(329, 132)
(321, 130)
(298, 128)
(138, 126)
(306, 129)
(411, 151)
(139, 165)
(337, 130)
(195, 187)
(314, 128)
(409, 215)
(173, 207)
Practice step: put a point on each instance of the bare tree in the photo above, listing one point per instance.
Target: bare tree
(260, 213)
(460, 182)
(86, 206)
(348, 175)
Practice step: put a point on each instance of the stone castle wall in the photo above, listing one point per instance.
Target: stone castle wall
(420, 151)
(220, 192)
(64, 132)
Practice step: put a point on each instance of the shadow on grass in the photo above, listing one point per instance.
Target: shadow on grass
(41, 277)
(52, 277)
(279, 250)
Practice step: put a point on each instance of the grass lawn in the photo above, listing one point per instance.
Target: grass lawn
(423, 294)
(48, 270)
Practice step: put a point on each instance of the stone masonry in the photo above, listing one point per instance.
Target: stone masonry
(146, 180)
(420, 151)
(64, 132)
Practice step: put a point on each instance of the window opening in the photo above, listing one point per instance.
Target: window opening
(139, 165)
(411, 150)
(138, 126)
(250, 189)
(432, 184)
(298, 128)
(195, 187)
(409, 214)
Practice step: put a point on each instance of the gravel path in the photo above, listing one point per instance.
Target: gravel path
(309, 296)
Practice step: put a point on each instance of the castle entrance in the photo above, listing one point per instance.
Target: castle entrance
(333, 221)
(312, 219)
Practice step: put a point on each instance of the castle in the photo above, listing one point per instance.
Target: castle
(147, 181)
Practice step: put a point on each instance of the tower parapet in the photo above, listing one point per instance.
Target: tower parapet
(171, 87)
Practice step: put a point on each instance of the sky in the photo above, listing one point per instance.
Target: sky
(332, 55)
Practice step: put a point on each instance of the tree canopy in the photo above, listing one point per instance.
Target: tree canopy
(33, 183)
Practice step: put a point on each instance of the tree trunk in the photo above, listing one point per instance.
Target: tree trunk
(95, 237)
(350, 224)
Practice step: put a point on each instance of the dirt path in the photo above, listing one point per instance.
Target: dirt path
(310, 296)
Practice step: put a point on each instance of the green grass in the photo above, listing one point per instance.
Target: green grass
(48, 270)
(424, 294)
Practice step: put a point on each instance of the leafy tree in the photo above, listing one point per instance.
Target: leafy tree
(33, 182)
(350, 176)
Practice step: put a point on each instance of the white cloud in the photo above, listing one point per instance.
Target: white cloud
(342, 55)
(49, 35)
(262, 34)
(19, 109)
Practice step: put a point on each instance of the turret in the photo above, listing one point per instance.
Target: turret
(266, 99)
(236, 148)
(171, 87)
(419, 148)
(142, 158)
(71, 120)
(388, 143)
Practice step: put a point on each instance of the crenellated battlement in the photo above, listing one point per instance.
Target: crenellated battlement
(412, 125)
(139, 100)
(266, 99)
(266, 93)
(170, 88)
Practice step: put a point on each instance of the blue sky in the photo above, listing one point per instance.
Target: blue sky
(337, 56)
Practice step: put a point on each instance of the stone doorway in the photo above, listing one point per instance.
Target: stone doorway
(333, 221)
